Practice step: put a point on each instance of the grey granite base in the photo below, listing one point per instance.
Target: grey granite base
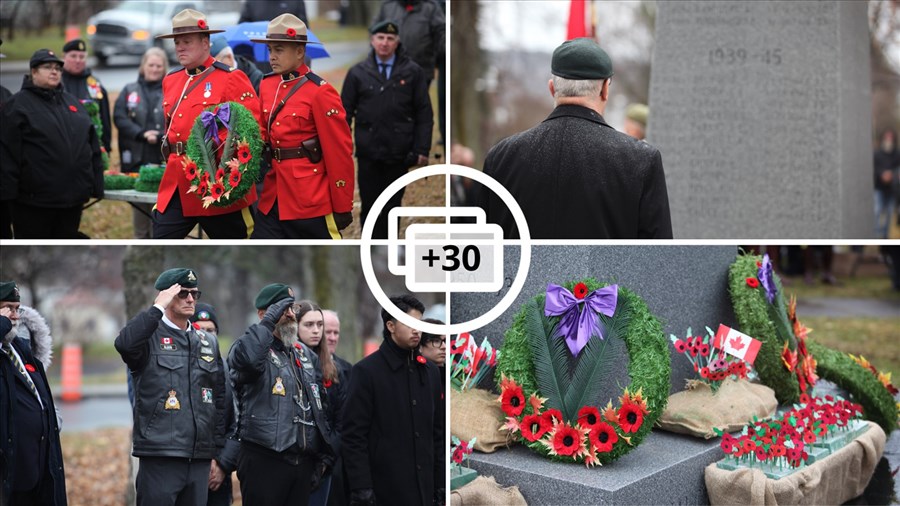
(665, 469)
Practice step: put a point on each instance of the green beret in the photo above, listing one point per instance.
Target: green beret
(272, 294)
(581, 59)
(638, 113)
(9, 292)
(385, 27)
(184, 277)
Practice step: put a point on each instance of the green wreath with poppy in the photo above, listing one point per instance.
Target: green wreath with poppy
(562, 416)
(223, 180)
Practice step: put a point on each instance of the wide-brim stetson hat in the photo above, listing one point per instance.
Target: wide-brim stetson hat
(187, 22)
(286, 28)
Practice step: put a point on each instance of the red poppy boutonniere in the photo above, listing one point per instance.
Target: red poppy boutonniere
(201, 24)
(73, 108)
(29, 368)
(327, 383)
(420, 359)
(291, 32)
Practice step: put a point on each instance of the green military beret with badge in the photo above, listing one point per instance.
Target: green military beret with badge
(184, 277)
(9, 292)
(271, 294)
(385, 27)
(75, 45)
(580, 59)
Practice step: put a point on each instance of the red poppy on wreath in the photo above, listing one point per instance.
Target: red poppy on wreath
(243, 154)
(534, 427)
(220, 174)
(752, 282)
(580, 291)
(291, 32)
(588, 417)
(234, 178)
(603, 436)
(512, 401)
(566, 440)
(73, 108)
(202, 187)
(190, 170)
(551, 414)
(631, 417)
(201, 24)
(217, 190)
(29, 368)
(327, 383)
(204, 177)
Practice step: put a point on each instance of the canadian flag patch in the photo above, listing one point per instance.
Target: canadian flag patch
(165, 340)
(737, 344)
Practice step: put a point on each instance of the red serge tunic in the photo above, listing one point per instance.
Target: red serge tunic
(304, 189)
(223, 85)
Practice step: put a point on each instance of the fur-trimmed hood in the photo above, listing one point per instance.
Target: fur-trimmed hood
(34, 328)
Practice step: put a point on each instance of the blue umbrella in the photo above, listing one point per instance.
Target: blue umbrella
(241, 34)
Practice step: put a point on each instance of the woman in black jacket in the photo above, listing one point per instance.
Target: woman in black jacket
(139, 117)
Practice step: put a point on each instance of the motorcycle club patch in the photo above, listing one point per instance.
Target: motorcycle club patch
(206, 395)
(172, 402)
(275, 358)
(278, 389)
(166, 344)
(315, 391)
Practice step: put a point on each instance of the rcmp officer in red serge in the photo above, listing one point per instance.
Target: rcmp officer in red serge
(200, 82)
(179, 394)
(287, 445)
(308, 193)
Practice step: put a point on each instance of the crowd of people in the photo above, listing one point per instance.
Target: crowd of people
(296, 422)
(56, 132)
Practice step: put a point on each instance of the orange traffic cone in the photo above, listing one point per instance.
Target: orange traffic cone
(73, 32)
(71, 372)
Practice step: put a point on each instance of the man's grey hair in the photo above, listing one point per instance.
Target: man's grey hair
(576, 87)
(331, 312)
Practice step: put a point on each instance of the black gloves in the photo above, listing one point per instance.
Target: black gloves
(362, 497)
(274, 312)
(343, 220)
(318, 473)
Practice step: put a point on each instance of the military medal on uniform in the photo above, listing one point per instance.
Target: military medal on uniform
(278, 389)
(172, 401)
(208, 92)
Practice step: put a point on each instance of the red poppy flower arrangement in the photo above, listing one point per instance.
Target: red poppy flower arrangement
(712, 364)
(471, 362)
(222, 156)
(586, 439)
(460, 451)
(787, 440)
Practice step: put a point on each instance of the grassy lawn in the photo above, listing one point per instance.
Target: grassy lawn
(860, 287)
(876, 339)
(24, 45)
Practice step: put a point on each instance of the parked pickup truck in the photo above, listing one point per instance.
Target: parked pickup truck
(131, 27)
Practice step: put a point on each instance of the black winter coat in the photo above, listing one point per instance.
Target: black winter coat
(575, 177)
(393, 117)
(267, 10)
(49, 151)
(421, 30)
(54, 490)
(174, 366)
(77, 86)
(393, 438)
(139, 109)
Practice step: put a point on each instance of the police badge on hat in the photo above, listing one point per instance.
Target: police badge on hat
(278, 389)
(172, 401)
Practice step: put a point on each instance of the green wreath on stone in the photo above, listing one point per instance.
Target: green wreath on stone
(877, 402)
(149, 177)
(223, 173)
(535, 364)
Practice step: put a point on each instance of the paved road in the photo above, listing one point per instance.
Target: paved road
(843, 307)
(94, 413)
(123, 69)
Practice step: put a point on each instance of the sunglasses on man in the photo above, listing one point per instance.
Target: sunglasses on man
(184, 294)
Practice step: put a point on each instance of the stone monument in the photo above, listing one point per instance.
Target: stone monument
(762, 113)
(684, 286)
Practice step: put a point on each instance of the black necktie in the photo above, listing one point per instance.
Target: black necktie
(384, 67)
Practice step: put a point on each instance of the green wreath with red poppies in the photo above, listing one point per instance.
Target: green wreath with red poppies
(222, 171)
(559, 414)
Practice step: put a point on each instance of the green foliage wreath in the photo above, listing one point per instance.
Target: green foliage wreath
(536, 360)
(149, 177)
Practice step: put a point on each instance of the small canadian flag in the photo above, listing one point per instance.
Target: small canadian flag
(166, 340)
(736, 343)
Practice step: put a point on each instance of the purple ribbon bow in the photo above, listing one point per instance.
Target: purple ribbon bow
(577, 325)
(208, 120)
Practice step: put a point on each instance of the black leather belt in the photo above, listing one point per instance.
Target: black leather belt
(167, 149)
(280, 154)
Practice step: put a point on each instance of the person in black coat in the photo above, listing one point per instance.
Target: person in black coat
(339, 495)
(387, 93)
(393, 437)
(140, 120)
(887, 170)
(50, 161)
(573, 175)
(79, 82)
(31, 462)
(434, 348)
(422, 25)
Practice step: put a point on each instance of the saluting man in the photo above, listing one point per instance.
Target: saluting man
(308, 194)
(198, 83)
(179, 394)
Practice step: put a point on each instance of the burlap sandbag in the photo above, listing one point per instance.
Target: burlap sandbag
(476, 413)
(833, 480)
(485, 491)
(696, 411)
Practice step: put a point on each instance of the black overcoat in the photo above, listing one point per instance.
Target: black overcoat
(575, 177)
(393, 437)
(54, 489)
